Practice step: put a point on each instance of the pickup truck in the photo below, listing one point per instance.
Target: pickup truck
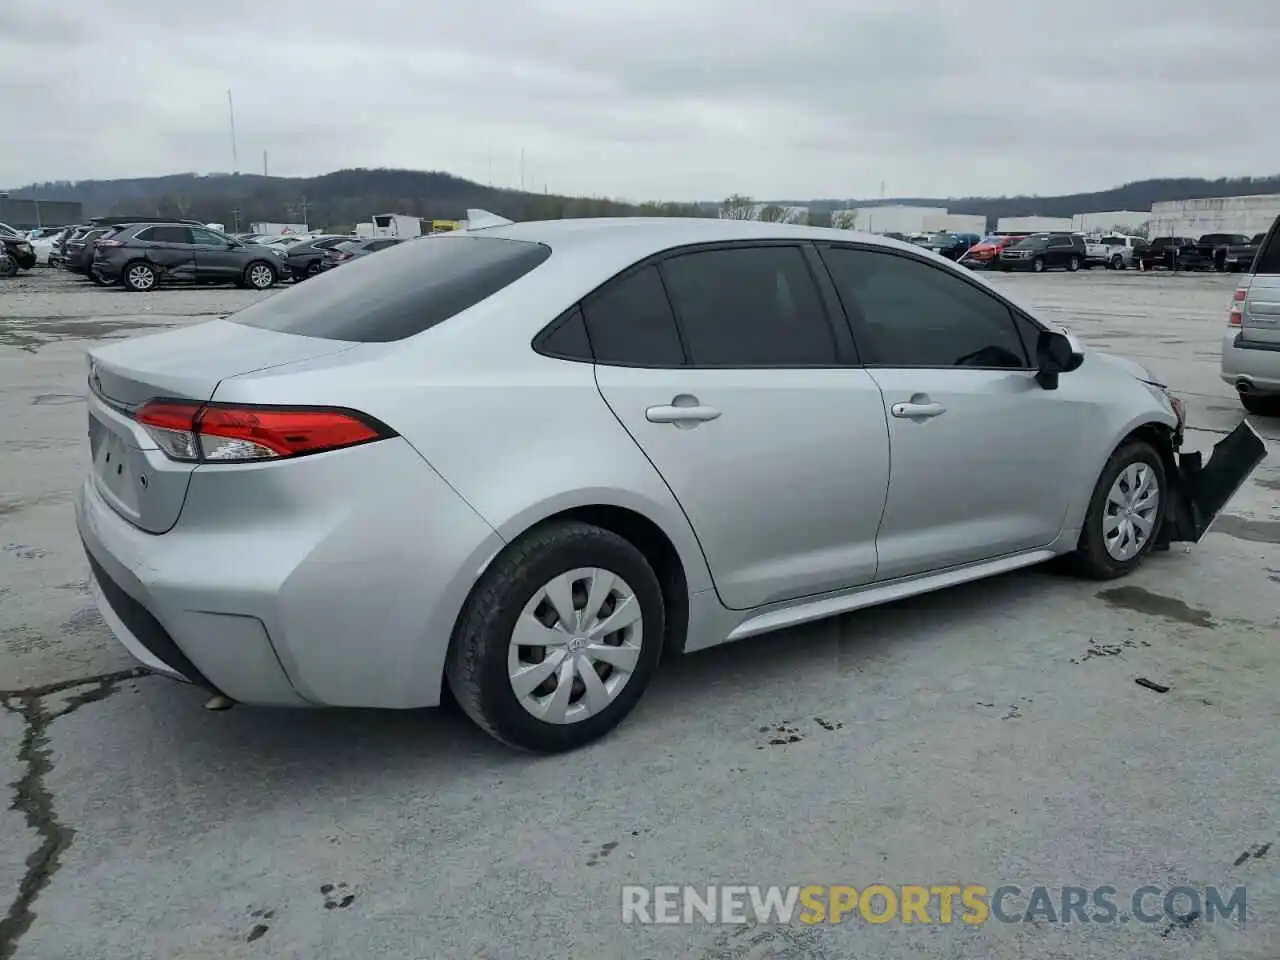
(1240, 255)
(1114, 251)
(1211, 251)
(1172, 253)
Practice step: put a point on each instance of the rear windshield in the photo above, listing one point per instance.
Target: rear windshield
(409, 289)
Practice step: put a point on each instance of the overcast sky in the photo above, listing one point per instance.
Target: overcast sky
(659, 99)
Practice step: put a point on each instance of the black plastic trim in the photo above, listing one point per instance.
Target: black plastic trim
(146, 629)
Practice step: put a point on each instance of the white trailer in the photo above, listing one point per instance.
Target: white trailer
(398, 225)
(277, 229)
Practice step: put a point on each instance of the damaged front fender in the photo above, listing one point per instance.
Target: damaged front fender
(1199, 490)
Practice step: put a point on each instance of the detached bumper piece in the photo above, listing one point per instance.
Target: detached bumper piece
(1202, 489)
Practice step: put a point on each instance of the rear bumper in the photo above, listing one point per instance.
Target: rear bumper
(296, 583)
(1256, 363)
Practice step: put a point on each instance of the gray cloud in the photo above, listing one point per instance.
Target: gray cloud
(670, 99)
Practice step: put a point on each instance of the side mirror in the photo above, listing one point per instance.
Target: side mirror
(1056, 353)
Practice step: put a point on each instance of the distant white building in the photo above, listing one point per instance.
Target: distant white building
(1034, 225)
(895, 218)
(1107, 221)
(956, 223)
(1193, 218)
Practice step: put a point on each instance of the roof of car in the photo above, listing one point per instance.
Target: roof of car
(638, 237)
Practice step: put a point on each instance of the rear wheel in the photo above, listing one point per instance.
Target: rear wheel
(1073, 264)
(559, 638)
(1124, 514)
(140, 277)
(1117, 262)
(1261, 404)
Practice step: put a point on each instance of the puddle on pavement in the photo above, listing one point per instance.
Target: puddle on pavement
(1141, 600)
(1242, 528)
(32, 333)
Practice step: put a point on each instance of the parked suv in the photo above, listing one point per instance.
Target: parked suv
(1115, 251)
(1044, 251)
(1251, 348)
(19, 250)
(141, 256)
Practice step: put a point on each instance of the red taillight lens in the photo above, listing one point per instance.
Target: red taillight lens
(218, 433)
(1235, 317)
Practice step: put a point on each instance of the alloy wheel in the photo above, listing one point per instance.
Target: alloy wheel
(142, 277)
(1130, 514)
(575, 645)
(260, 276)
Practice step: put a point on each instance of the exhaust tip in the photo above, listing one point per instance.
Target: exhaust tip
(219, 703)
(1244, 386)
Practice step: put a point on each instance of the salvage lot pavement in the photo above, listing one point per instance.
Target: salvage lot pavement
(989, 734)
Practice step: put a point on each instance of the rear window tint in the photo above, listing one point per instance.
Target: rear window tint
(405, 290)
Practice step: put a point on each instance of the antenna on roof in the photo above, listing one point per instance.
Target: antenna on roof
(480, 219)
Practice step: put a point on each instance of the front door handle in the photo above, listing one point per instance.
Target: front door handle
(674, 414)
(917, 411)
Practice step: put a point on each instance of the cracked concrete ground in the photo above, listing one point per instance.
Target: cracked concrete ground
(990, 734)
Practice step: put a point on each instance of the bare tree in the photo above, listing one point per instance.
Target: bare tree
(844, 220)
(738, 207)
(776, 213)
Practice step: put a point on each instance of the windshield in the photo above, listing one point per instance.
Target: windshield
(8, 231)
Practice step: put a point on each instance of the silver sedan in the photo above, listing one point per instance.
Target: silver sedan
(528, 460)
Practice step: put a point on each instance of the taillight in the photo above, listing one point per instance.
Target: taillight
(1235, 317)
(226, 433)
(342, 256)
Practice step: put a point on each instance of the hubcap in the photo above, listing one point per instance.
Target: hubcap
(1131, 511)
(141, 277)
(575, 646)
(260, 276)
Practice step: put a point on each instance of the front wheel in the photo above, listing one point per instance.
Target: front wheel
(1037, 265)
(260, 276)
(8, 267)
(559, 638)
(1124, 514)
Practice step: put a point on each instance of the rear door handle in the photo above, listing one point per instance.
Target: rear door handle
(673, 414)
(914, 411)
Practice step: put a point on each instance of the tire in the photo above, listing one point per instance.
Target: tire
(259, 275)
(1117, 262)
(1037, 265)
(140, 277)
(1092, 557)
(8, 267)
(1261, 404)
(1073, 264)
(479, 662)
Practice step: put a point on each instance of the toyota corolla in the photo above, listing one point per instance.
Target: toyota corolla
(529, 460)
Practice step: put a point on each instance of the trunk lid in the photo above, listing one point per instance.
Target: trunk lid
(129, 470)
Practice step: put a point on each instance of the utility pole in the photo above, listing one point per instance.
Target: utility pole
(522, 168)
(304, 213)
(235, 220)
(235, 157)
(264, 163)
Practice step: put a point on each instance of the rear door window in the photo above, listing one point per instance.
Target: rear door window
(750, 307)
(407, 291)
(630, 323)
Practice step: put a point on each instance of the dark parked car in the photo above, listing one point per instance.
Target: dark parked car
(1171, 253)
(1240, 255)
(141, 256)
(19, 250)
(77, 256)
(349, 250)
(951, 245)
(304, 258)
(1044, 251)
(1211, 251)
